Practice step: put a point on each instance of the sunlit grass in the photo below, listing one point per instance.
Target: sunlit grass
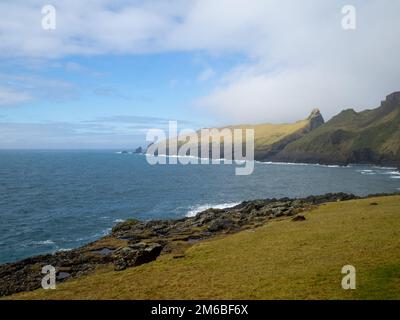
(281, 260)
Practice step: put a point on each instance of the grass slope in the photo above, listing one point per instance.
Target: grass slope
(371, 136)
(281, 260)
(264, 134)
(267, 134)
(268, 138)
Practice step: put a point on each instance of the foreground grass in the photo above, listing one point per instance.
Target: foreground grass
(281, 260)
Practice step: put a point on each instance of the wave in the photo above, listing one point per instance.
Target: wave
(373, 172)
(43, 243)
(369, 172)
(302, 164)
(395, 177)
(118, 220)
(193, 157)
(394, 173)
(284, 163)
(197, 209)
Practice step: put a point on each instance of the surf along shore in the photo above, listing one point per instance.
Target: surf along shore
(135, 243)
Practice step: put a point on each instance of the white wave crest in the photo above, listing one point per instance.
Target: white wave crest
(300, 164)
(43, 243)
(197, 209)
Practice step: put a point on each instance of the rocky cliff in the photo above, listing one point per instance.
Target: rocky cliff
(368, 137)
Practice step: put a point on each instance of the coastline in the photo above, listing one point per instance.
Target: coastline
(133, 243)
(330, 164)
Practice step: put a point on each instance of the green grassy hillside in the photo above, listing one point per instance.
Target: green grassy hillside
(280, 260)
(368, 137)
(372, 136)
(269, 139)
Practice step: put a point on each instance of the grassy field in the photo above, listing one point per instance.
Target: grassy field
(267, 134)
(264, 134)
(281, 260)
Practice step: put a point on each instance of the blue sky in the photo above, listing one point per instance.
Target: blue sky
(113, 69)
(85, 88)
(112, 93)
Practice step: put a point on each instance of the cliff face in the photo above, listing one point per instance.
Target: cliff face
(271, 151)
(316, 120)
(369, 137)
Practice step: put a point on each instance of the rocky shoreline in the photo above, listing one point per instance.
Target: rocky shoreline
(132, 243)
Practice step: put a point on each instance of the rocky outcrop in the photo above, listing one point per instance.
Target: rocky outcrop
(392, 101)
(272, 152)
(135, 255)
(315, 120)
(132, 243)
(138, 150)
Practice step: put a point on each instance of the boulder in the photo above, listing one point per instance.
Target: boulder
(299, 218)
(136, 255)
(220, 224)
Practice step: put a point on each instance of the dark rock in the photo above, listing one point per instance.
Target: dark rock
(316, 120)
(139, 150)
(220, 224)
(299, 218)
(63, 276)
(126, 225)
(136, 255)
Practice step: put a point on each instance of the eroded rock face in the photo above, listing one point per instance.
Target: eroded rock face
(136, 242)
(316, 119)
(26, 275)
(136, 255)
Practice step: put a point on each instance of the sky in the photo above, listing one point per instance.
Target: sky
(111, 70)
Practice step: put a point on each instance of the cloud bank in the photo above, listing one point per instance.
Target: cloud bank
(298, 57)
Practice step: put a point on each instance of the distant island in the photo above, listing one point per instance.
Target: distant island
(138, 150)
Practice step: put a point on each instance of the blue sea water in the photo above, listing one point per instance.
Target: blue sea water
(58, 200)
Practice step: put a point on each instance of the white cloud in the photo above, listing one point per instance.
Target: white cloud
(10, 97)
(56, 135)
(298, 55)
(305, 60)
(17, 89)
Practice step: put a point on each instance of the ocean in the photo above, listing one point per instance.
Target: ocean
(59, 200)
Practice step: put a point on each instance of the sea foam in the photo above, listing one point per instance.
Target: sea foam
(197, 209)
